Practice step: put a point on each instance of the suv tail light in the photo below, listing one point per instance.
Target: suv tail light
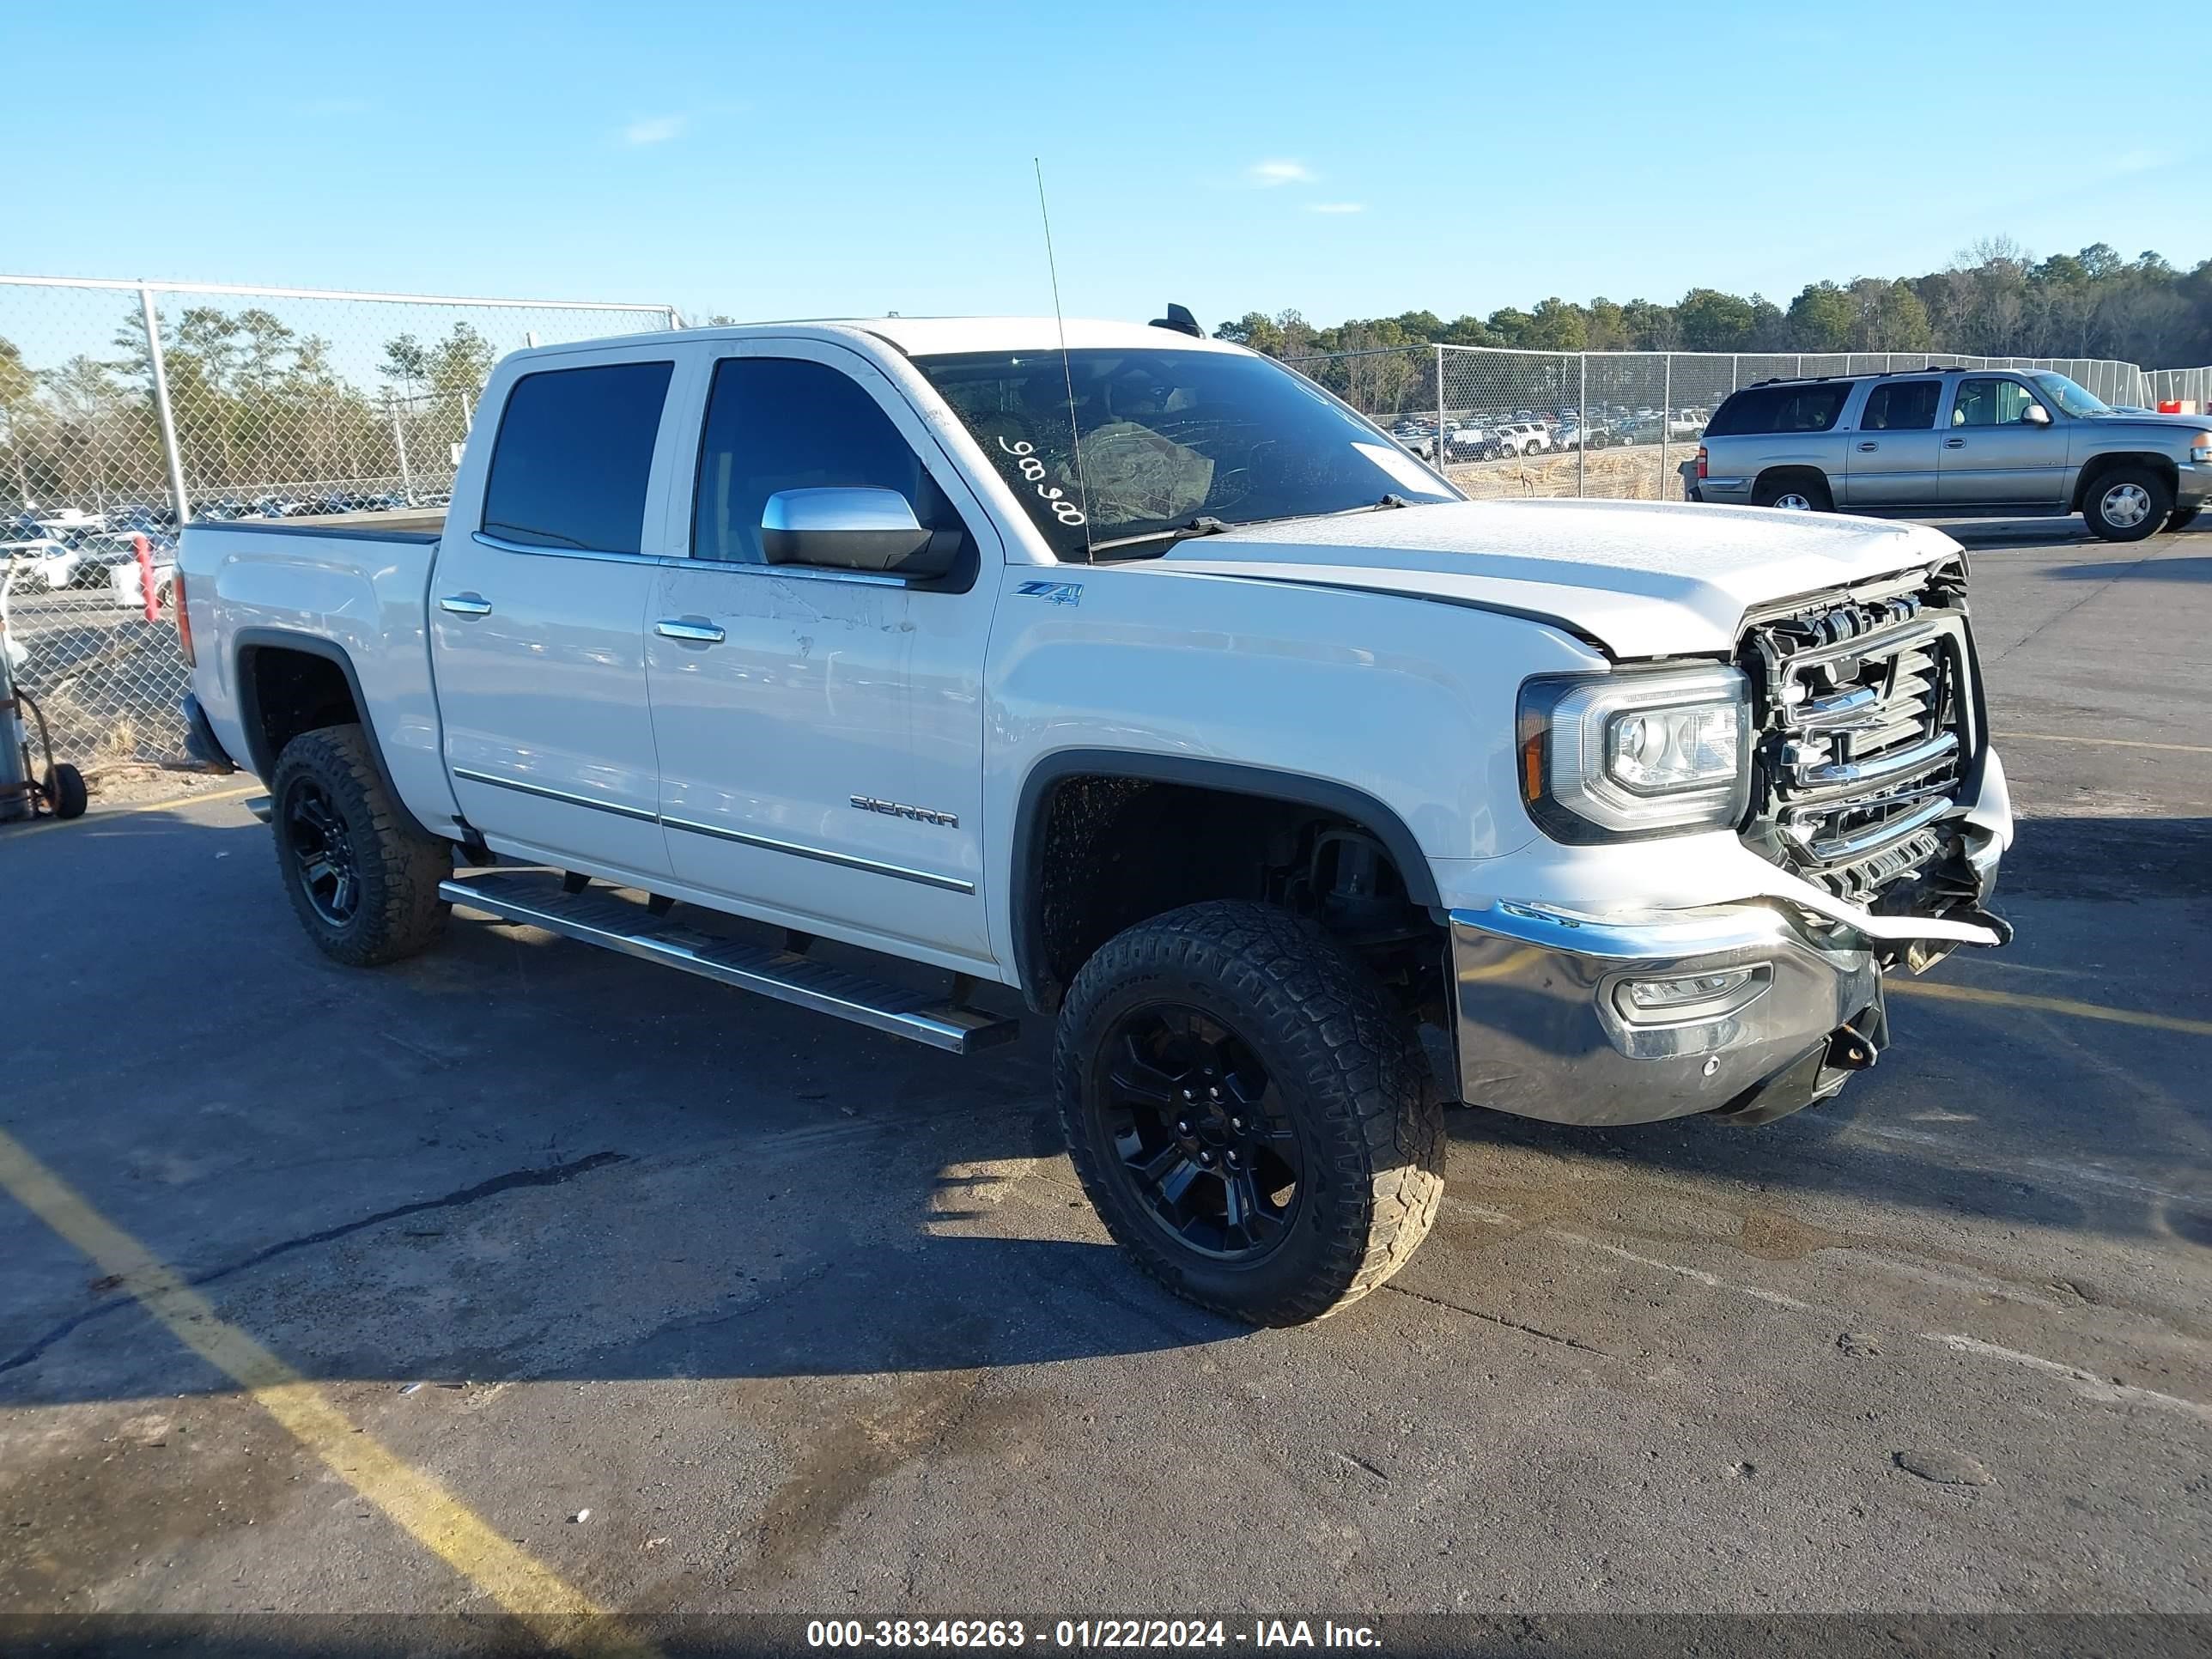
(1701, 463)
(183, 619)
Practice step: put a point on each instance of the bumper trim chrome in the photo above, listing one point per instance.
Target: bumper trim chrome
(1539, 1032)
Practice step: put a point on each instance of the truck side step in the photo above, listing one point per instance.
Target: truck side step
(597, 916)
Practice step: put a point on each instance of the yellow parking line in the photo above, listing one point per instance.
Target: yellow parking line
(167, 803)
(2102, 743)
(555, 1611)
(1945, 993)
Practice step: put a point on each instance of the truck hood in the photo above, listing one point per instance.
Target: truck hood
(1642, 579)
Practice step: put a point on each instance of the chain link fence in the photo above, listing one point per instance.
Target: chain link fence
(2185, 391)
(129, 408)
(1610, 424)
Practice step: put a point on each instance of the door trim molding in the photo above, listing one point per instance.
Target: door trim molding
(846, 860)
(743, 838)
(543, 792)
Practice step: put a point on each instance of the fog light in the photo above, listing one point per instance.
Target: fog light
(1688, 997)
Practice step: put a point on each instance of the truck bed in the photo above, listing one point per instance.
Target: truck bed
(417, 523)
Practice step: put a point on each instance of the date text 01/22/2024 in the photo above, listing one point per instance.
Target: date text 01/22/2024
(1086, 1635)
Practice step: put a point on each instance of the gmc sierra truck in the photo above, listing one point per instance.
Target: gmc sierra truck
(866, 666)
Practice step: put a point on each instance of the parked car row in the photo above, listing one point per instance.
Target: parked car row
(223, 509)
(1524, 432)
(81, 550)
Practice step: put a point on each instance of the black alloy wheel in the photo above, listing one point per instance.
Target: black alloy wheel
(1204, 1143)
(321, 851)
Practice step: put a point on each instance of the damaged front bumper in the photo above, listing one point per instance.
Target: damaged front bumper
(1749, 1011)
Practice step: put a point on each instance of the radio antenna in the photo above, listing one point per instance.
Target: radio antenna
(1067, 368)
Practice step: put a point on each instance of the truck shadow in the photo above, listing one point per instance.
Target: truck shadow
(2146, 568)
(514, 1159)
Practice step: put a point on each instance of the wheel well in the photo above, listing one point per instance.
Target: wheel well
(1104, 852)
(286, 691)
(1777, 477)
(2094, 469)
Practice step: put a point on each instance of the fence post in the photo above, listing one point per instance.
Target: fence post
(1582, 427)
(1436, 449)
(399, 442)
(1666, 418)
(161, 412)
(1736, 370)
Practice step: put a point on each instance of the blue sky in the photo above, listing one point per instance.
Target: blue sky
(852, 158)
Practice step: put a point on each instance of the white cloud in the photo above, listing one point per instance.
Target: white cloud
(1336, 207)
(652, 129)
(1268, 175)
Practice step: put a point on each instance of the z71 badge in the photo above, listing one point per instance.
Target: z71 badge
(1052, 592)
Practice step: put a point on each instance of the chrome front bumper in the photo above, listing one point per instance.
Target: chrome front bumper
(1548, 1026)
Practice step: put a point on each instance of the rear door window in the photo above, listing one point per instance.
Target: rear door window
(1902, 407)
(1811, 406)
(573, 456)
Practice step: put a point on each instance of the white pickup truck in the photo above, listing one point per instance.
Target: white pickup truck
(870, 665)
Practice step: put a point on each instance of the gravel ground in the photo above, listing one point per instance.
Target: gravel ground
(813, 1322)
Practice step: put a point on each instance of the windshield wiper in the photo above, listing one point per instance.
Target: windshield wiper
(1209, 527)
(1171, 534)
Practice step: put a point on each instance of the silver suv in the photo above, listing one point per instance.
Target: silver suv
(1951, 442)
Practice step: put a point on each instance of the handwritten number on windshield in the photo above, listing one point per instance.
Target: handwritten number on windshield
(1026, 463)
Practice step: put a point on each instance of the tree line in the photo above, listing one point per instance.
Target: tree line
(1993, 299)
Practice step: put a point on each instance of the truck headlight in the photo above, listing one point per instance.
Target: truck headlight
(1614, 756)
(2200, 448)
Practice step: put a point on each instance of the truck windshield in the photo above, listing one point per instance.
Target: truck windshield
(2069, 396)
(1168, 438)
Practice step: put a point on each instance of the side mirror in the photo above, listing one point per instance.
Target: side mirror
(2035, 414)
(850, 528)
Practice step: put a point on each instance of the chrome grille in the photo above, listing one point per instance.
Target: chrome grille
(1865, 735)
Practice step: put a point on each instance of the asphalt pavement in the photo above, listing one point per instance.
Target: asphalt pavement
(702, 1305)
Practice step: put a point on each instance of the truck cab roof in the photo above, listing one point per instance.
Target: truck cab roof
(918, 336)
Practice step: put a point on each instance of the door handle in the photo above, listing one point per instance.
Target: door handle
(1868, 448)
(465, 605)
(1954, 443)
(697, 633)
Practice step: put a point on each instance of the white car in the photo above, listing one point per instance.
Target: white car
(1524, 438)
(1242, 750)
(53, 565)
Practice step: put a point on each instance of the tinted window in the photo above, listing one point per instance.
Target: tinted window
(574, 450)
(784, 423)
(1989, 402)
(1902, 407)
(1810, 406)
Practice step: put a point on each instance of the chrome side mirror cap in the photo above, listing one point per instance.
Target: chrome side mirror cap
(2036, 415)
(846, 527)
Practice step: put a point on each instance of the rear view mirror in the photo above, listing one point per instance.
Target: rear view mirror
(852, 528)
(2036, 415)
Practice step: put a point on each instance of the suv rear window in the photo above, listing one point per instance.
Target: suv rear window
(574, 454)
(1811, 406)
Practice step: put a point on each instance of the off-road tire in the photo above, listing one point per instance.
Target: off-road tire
(1352, 1076)
(398, 913)
(2092, 504)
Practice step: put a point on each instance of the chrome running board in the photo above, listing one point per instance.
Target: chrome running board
(597, 916)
